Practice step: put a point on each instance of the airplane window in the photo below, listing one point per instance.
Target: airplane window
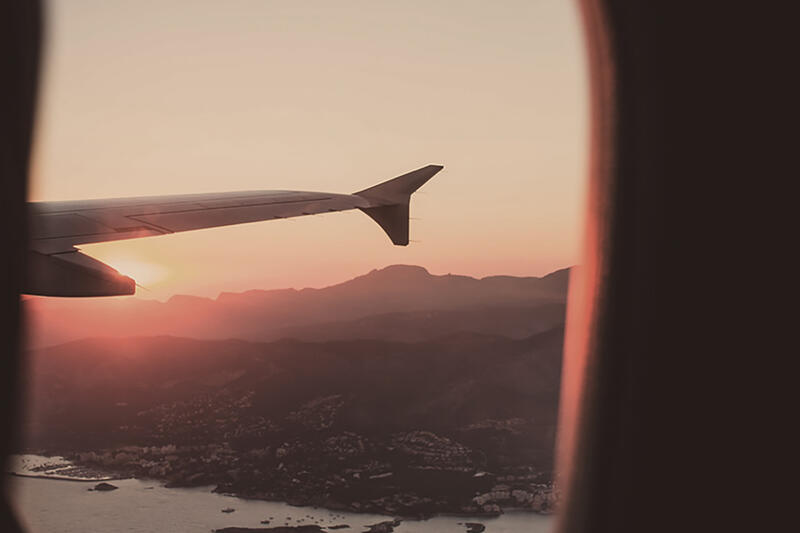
(300, 266)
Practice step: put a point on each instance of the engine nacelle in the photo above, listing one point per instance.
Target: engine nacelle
(73, 274)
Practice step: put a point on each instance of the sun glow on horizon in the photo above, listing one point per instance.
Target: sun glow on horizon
(144, 272)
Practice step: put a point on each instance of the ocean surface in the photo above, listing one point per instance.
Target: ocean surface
(146, 506)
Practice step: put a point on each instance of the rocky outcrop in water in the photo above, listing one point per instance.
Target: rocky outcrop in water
(104, 487)
(384, 527)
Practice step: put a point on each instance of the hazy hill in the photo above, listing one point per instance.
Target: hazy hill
(395, 303)
(102, 392)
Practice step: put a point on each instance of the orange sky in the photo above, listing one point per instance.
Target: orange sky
(158, 97)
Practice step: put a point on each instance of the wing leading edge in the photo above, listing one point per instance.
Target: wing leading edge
(57, 268)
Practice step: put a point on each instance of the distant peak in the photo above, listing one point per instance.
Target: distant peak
(187, 299)
(560, 273)
(404, 268)
(398, 272)
(259, 293)
(394, 273)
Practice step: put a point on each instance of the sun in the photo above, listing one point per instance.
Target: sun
(145, 273)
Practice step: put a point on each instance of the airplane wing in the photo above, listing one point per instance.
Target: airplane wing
(56, 268)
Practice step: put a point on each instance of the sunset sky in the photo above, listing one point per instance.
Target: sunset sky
(160, 97)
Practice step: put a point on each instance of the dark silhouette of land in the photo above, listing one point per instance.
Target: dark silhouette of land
(399, 302)
(463, 421)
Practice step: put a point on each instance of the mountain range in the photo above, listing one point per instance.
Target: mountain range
(399, 302)
(395, 392)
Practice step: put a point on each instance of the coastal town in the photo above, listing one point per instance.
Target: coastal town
(416, 473)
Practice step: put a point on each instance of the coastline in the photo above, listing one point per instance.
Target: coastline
(140, 507)
(56, 466)
(66, 478)
(499, 501)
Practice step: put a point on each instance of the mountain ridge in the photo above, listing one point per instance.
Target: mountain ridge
(559, 275)
(265, 315)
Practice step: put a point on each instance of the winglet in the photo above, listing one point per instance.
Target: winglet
(392, 199)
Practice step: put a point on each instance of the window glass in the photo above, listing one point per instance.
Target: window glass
(306, 371)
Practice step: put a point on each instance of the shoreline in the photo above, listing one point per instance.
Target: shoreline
(56, 477)
(68, 507)
(360, 507)
(56, 466)
(452, 514)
